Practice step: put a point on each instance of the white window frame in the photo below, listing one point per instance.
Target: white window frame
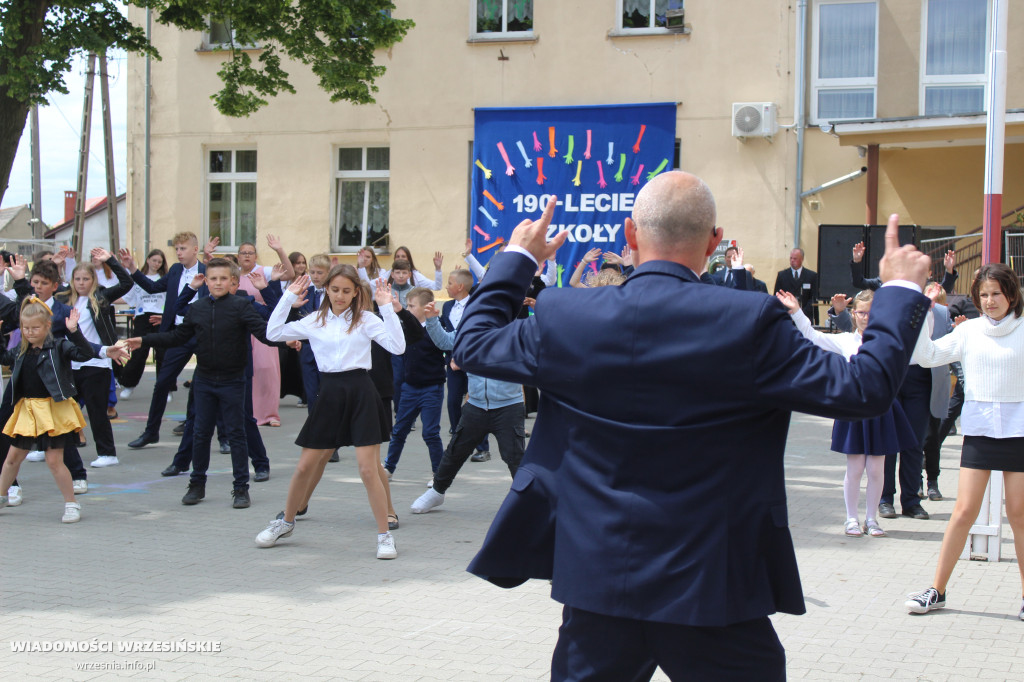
(621, 30)
(366, 176)
(505, 35)
(956, 79)
(232, 178)
(825, 84)
(209, 45)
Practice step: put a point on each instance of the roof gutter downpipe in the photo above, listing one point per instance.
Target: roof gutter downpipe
(800, 115)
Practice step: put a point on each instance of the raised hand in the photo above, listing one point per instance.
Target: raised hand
(302, 299)
(300, 285)
(62, 255)
(627, 256)
(612, 257)
(902, 262)
(257, 278)
(276, 272)
(273, 242)
(100, 253)
(592, 255)
(431, 310)
(949, 261)
(119, 352)
(737, 262)
(789, 300)
(839, 302)
(958, 319)
(19, 267)
(382, 293)
(198, 281)
(126, 260)
(468, 249)
(858, 252)
(532, 234)
(72, 320)
(529, 302)
(396, 303)
(210, 247)
(438, 260)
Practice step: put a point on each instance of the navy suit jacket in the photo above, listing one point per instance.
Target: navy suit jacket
(625, 497)
(741, 279)
(167, 283)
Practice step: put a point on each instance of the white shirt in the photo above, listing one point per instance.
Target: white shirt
(455, 314)
(334, 347)
(846, 344)
(87, 326)
(187, 274)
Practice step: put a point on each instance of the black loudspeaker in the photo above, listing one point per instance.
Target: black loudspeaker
(835, 247)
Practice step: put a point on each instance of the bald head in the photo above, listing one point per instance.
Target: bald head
(675, 211)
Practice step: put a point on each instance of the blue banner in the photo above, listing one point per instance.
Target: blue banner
(594, 158)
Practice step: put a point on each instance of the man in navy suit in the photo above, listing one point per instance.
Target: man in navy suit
(734, 275)
(665, 550)
(186, 247)
(801, 282)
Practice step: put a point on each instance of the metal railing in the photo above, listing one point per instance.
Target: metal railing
(968, 252)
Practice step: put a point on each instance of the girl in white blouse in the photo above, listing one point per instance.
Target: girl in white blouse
(348, 409)
(991, 351)
(864, 442)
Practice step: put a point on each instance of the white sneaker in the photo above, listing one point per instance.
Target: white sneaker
(386, 547)
(80, 487)
(168, 397)
(35, 456)
(427, 501)
(278, 528)
(126, 393)
(104, 461)
(14, 496)
(72, 513)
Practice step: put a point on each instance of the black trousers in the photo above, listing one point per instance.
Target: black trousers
(915, 397)
(600, 648)
(93, 384)
(458, 385)
(131, 373)
(506, 423)
(175, 360)
(222, 396)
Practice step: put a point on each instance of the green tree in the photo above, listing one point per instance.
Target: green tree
(336, 39)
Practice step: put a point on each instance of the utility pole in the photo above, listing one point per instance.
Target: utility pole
(995, 136)
(37, 194)
(83, 156)
(108, 144)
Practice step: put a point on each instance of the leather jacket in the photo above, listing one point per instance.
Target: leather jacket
(54, 364)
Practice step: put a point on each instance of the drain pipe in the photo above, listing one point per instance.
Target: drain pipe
(799, 115)
(149, 97)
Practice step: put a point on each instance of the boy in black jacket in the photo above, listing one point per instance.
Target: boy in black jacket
(221, 324)
(422, 389)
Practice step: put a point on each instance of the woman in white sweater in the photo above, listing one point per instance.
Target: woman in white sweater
(991, 351)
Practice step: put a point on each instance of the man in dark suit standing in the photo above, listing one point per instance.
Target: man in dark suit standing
(665, 550)
(733, 275)
(801, 282)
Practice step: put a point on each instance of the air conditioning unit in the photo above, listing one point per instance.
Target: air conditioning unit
(754, 119)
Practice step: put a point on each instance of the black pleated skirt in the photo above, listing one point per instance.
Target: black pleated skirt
(348, 411)
(992, 454)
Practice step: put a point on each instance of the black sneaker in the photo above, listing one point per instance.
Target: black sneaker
(143, 440)
(179, 430)
(334, 456)
(241, 498)
(933, 492)
(481, 456)
(886, 511)
(301, 512)
(196, 492)
(923, 602)
(916, 512)
(261, 476)
(225, 449)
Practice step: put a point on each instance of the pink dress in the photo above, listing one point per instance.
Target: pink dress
(266, 366)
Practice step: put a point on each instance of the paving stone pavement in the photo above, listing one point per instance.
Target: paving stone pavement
(141, 568)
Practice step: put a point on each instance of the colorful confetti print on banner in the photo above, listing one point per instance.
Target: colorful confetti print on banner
(595, 195)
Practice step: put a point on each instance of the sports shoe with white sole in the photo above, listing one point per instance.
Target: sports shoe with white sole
(278, 528)
(35, 456)
(386, 546)
(104, 461)
(126, 393)
(14, 496)
(80, 487)
(923, 602)
(72, 513)
(1021, 614)
(427, 501)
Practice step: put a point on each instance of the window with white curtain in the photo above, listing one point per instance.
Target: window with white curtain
(844, 60)
(643, 15)
(497, 19)
(231, 196)
(954, 49)
(362, 198)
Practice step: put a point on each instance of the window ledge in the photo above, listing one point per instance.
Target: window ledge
(503, 38)
(638, 32)
(226, 47)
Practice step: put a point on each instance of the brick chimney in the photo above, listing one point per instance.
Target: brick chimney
(70, 198)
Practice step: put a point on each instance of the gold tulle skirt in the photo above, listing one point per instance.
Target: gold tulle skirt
(43, 416)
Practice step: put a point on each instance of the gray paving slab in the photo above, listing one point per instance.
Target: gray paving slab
(141, 568)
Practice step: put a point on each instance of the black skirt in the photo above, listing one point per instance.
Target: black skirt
(992, 454)
(348, 411)
(45, 442)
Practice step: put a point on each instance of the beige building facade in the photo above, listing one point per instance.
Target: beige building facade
(896, 77)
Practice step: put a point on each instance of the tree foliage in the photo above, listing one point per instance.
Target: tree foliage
(335, 38)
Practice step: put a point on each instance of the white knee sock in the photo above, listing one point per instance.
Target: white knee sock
(851, 484)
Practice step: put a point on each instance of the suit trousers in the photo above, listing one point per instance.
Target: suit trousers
(506, 423)
(224, 396)
(257, 451)
(131, 373)
(174, 362)
(600, 648)
(915, 397)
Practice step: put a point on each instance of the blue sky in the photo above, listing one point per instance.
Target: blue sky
(60, 127)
